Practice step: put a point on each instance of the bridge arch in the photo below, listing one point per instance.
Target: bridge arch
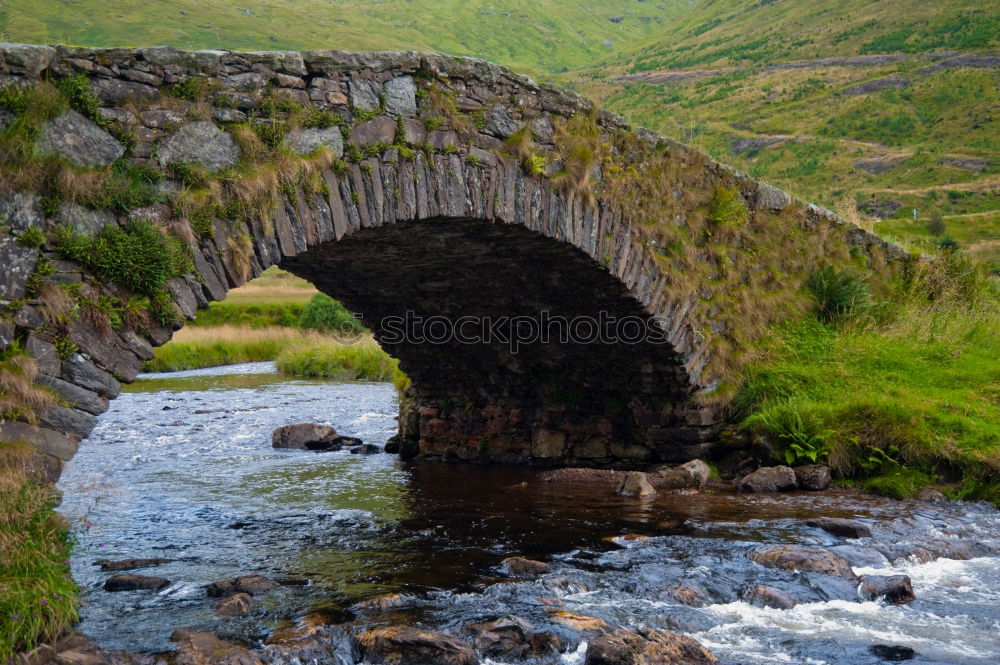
(447, 187)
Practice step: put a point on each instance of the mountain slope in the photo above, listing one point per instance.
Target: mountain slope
(849, 103)
(529, 35)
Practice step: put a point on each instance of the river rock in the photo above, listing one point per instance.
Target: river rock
(306, 436)
(892, 653)
(841, 527)
(253, 585)
(931, 495)
(403, 645)
(130, 582)
(815, 477)
(236, 605)
(206, 649)
(381, 603)
(646, 646)
(635, 483)
(801, 557)
(79, 141)
(521, 567)
(700, 472)
(693, 595)
(859, 556)
(896, 589)
(129, 564)
(580, 622)
(769, 479)
(199, 143)
(768, 596)
(506, 638)
(364, 448)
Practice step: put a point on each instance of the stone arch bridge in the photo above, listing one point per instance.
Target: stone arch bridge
(403, 184)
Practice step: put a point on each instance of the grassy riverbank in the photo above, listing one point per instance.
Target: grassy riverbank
(37, 594)
(899, 392)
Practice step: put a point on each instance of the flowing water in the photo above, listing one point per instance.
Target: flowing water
(182, 468)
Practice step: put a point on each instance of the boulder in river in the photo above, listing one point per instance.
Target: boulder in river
(364, 448)
(691, 475)
(509, 637)
(801, 557)
(895, 589)
(404, 645)
(310, 436)
(892, 653)
(693, 595)
(131, 582)
(768, 596)
(236, 605)
(769, 479)
(252, 585)
(841, 527)
(815, 477)
(197, 648)
(129, 564)
(635, 483)
(521, 567)
(646, 646)
(931, 495)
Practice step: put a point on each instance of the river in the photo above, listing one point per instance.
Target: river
(182, 468)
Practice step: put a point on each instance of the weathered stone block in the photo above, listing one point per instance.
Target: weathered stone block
(85, 221)
(400, 96)
(17, 266)
(200, 143)
(75, 396)
(308, 140)
(382, 128)
(117, 92)
(27, 59)
(364, 94)
(70, 421)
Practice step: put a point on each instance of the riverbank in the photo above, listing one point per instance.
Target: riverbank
(898, 390)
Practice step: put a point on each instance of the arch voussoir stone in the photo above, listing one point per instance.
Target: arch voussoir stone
(432, 192)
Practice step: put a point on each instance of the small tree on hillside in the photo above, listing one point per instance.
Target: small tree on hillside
(935, 225)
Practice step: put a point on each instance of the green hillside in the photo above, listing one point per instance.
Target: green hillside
(529, 35)
(848, 103)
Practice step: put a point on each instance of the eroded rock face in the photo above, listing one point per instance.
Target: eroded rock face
(199, 143)
(769, 479)
(15, 269)
(800, 557)
(79, 141)
(401, 96)
(399, 645)
(647, 646)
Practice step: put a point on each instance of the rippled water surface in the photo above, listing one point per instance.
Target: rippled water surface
(182, 468)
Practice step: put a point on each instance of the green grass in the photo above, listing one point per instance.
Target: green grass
(897, 396)
(250, 314)
(530, 35)
(363, 361)
(37, 594)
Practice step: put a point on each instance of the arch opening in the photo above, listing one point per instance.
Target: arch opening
(520, 348)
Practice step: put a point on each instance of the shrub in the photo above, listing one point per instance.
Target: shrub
(137, 256)
(837, 292)
(364, 361)
(31, 237)
(326, 315)
(935, 225)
